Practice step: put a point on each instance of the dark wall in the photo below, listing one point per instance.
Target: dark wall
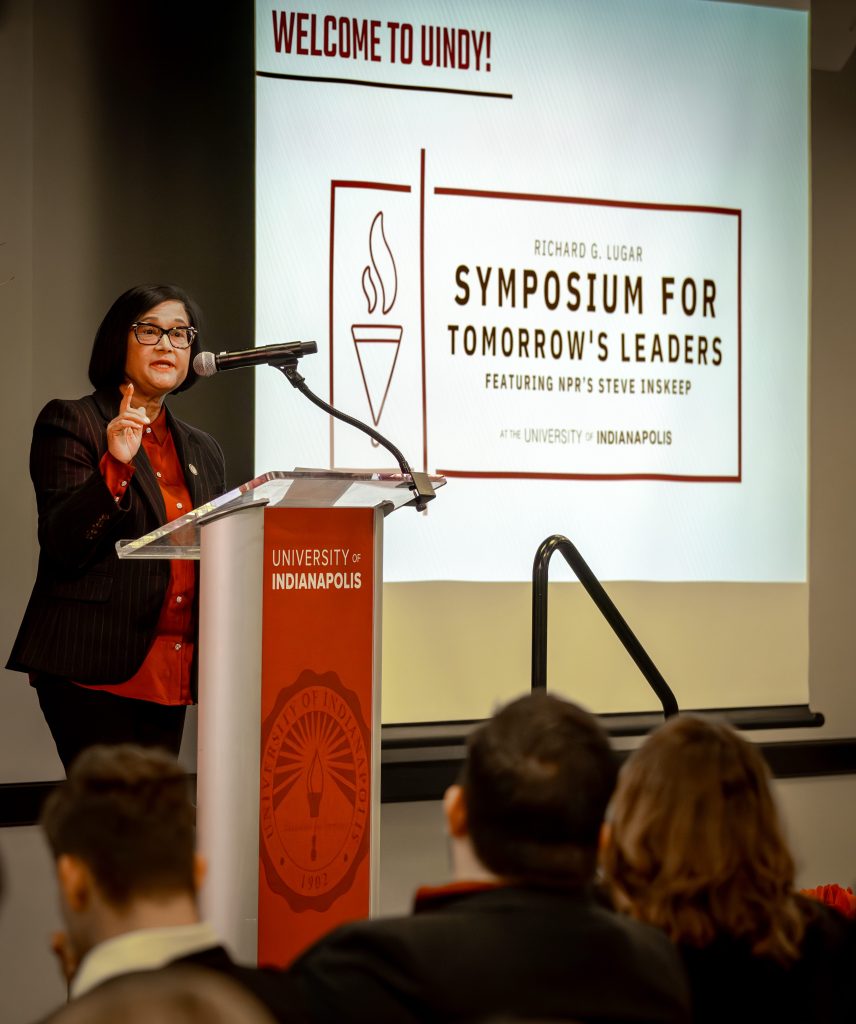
(172, 114)
(127, 133)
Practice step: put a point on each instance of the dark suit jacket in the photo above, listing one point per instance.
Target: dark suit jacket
(272, 988)
(92, 617)
(499, 953)
(820, 988)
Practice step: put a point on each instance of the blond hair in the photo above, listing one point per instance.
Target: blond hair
(696, 847)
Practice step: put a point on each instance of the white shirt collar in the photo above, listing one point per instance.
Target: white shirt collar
(144, 950)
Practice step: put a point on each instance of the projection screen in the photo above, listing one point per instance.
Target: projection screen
(557, 252)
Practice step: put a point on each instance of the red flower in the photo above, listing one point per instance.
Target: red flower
(834, 896)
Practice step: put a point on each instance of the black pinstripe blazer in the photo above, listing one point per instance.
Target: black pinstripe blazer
(91, 617)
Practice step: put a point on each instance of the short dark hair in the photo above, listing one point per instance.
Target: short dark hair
(537, 780)
(109, 350)
(126, 812)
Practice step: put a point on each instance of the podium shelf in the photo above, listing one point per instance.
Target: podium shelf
(296, 489)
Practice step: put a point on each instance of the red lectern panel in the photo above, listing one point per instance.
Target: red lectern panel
(317, 710)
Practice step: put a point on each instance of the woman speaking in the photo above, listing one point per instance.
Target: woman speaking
(110, 645)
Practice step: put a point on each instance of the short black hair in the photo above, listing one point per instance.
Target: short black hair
(126, 812)
(537, 780)
(109, 350)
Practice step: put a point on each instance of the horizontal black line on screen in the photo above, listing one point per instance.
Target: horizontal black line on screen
(398, 736)
(387, 85)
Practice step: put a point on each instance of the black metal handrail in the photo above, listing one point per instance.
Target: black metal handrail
(540, 574)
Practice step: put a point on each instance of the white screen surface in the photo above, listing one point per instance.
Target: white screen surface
(560, 256)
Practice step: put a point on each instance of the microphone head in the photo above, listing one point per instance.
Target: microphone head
(205, 364)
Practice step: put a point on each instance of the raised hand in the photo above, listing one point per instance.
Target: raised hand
(125, 432)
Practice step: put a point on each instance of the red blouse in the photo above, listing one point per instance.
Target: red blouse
(164, 676)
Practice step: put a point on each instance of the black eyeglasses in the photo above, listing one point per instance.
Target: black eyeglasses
(151, 334)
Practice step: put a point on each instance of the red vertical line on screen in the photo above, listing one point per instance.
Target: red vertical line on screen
(330, 306)
(422, 306)
(739, 345)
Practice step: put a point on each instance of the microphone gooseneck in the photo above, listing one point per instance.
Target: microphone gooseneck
(420, 483)
(284, 358)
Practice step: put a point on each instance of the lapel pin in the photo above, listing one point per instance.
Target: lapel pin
(193, 469)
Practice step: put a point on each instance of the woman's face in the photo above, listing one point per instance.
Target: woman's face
(155, 370)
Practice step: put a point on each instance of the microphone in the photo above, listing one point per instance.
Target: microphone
(206, 364)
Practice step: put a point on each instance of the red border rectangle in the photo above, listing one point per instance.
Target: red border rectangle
(535, 197)
(541, 198)
(381, 187)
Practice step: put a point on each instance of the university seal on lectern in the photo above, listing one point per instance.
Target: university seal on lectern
(315, 791)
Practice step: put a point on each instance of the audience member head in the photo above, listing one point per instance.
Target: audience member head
(122, 832)
(174, 995)
(695, 846)
(532, 794)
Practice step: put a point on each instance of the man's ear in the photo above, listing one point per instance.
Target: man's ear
(455, 810)
(75, 882)
(200, 870)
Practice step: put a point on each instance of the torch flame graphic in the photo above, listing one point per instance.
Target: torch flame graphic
(381, 276)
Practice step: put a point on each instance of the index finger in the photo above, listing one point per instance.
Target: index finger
(125, 404)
